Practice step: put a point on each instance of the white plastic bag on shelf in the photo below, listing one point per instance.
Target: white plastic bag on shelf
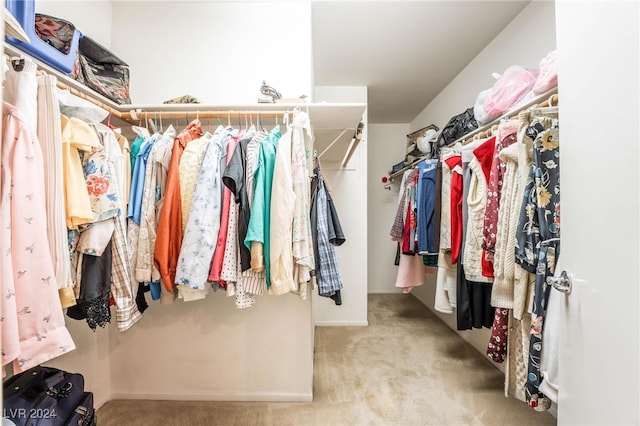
(424, 142)
(547, 73)
(479, 113)
(74, 106)
(513, 85)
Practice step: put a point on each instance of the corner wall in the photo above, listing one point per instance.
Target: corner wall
(83, 15)
(348, 188)
(387, 146)
(525, 41)
(219, 52)
(91, 356)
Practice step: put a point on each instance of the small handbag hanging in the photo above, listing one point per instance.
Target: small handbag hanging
(99, 69)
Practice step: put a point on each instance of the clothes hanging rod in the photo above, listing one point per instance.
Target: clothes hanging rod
(547, 99)
(192, 114)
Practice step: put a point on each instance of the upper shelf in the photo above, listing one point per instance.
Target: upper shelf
(547, 99)
(327, 119)
(323, 115)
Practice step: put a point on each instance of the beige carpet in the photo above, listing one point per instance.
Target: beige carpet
(405, 368)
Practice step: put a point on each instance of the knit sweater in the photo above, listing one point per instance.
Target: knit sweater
(504, 255)
(476, 200)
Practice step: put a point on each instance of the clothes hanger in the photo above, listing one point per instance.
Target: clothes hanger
(285, 119)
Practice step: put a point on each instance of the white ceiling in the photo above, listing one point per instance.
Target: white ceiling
(405, 52)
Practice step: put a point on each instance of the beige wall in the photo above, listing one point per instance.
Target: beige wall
(206, 349)
(84, 15)
(348, 188)
(386, 147)
(526, 40)
(218, 51)
(210, 350)
(91, 358)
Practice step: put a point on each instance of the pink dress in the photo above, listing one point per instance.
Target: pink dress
(33, 329)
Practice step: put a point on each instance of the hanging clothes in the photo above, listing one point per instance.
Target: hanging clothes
(155, 181)
(194, 261)
(290, 206)
(480, 166)
(126, 169)
(50, 138)
(94, 286)
(254, 281)
(77, 137)
(91, 264)
(426, 206)
(538, 245)
(234, 179)
(106, 234)
(33, 329)
(138, 179)
(473, 293)
(302, 236)
(258, 237)
(411, 270)
(218, 254)
(445, 299)
(190, 164)
(231, 272)
(327, 234)
(21, 89)
(506, 136)
(524, 281)
(169, 234)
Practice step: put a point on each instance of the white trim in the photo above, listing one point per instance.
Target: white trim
(385, 291)
(341, 323)
(218, 396)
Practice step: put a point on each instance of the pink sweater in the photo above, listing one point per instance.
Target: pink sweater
(33, 329)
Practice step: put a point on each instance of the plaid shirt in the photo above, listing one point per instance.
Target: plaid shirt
(327, 271)
(122, 290)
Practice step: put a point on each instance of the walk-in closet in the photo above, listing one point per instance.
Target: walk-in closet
(320, 212)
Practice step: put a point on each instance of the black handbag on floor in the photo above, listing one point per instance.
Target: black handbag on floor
(46, 396)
